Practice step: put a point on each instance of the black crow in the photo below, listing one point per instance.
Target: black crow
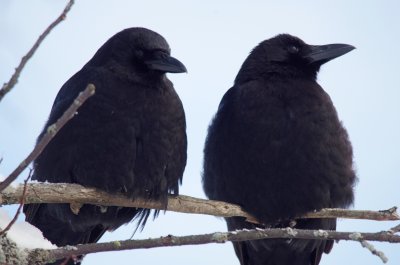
(277, 148)
(129, 138)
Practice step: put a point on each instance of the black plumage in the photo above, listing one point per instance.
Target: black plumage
(129, 138)
(277, 148)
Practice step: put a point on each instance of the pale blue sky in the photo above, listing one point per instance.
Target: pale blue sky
(212, 38)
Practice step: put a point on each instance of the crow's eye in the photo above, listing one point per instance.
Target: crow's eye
(293, 49)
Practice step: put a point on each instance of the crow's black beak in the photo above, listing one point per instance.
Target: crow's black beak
(163, 62)
(320, 54)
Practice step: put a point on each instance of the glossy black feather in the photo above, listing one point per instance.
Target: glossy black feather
(130, 137)
(277, 148)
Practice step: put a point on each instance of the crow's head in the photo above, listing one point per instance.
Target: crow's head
(138, 50)
(288, 56)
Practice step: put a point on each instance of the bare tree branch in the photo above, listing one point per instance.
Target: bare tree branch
(14, 78)
(395, 229)
(22, 200)
(38, 255)
(382, 215)
(52, 130)
(73, 193)
(374, 251)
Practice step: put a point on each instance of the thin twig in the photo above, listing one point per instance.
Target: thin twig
(395, 229)
(14, 78)
(73, 193)
(383, 215)
(52, 130)
(22, 200)
(374, 251)
(219, 237)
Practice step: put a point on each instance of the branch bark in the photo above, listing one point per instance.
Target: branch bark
(76, 194)
(10, 253)
(52, 130)
(39, 255)
(14, 78)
